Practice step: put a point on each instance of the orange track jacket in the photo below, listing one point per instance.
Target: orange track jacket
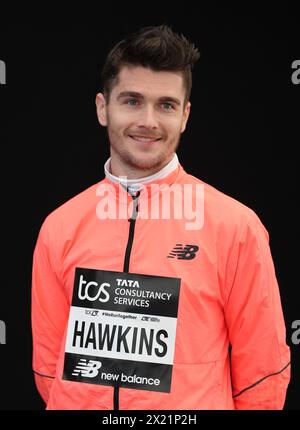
(137, 313)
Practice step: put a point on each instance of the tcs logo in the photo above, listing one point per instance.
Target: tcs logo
(92, 291)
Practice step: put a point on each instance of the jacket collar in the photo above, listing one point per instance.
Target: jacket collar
(133, 185)
(168, 175)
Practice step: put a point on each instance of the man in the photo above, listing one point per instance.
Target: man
(135, 306)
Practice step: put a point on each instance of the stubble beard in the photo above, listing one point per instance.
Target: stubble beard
(150, 162)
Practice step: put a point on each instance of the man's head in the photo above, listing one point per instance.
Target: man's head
(145, 104)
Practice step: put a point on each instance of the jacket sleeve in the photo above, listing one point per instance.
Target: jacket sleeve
(49, 312)
(260, 358)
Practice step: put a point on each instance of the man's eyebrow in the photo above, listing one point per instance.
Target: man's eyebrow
(129, 94)
(140, 96)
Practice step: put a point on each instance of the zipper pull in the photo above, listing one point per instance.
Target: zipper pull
(135, 206)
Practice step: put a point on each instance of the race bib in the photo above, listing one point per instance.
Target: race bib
(122, 330)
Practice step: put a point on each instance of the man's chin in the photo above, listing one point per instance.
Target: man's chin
(147, 165)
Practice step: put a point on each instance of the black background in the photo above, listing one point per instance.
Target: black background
(242, 138)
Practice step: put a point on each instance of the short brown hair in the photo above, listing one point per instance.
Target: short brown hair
(157, 48)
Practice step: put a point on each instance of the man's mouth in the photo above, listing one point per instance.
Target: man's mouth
(145, 139)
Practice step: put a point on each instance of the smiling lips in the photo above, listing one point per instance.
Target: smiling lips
(145, 139)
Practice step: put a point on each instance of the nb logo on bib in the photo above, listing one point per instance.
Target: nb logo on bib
(87, 369)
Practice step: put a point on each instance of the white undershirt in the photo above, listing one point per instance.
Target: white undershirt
(134, 184)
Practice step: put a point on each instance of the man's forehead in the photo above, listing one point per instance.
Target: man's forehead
(144, 80)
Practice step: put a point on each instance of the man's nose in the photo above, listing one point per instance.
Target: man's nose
(147, 117)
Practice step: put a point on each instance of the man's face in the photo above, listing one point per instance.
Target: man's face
(145, 117)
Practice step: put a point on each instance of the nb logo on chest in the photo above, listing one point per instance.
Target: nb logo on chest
(187, 252)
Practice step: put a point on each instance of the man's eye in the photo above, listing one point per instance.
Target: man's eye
(131, 102)
(167, 106)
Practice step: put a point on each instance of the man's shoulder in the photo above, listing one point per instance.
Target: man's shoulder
(74, 209)
(222, 208)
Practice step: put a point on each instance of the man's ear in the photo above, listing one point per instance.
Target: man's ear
(185, 118)
(101, 109)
